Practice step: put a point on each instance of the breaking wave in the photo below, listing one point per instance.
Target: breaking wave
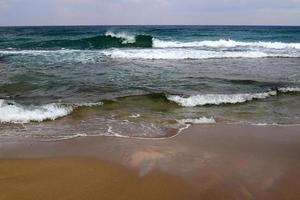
(140, 46)
(12, 112)
(224, 43)
(125, 37)
(108, 40)
(218, 99)
(111, 39)
(96, 56)
(289, 89)
(53, 56)
(187, 53)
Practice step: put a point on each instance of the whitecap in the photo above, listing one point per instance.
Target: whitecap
(11, 112)
(289, 89)
(127, 38)
(59, 56)
(218, 99)
(224, 43)
(180, 54)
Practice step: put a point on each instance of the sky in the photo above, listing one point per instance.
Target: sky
(149, 12)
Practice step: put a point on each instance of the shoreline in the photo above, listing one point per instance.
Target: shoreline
(214, 161)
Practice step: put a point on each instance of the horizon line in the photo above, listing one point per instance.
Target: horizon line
(69, 25)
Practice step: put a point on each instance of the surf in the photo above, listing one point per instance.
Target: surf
(191, 53)
(102, 41)
(12, 112)
(224, 43)
(220, 99)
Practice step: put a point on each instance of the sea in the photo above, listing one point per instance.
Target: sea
(145, 82)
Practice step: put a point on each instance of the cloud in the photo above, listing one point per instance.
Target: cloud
(61, 12)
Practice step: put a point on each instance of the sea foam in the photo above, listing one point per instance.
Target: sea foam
(218, 99)
(92, 56)
(88, 104)
(12, 112)
(201, 120)
(127, 38)
(57, 56)
(224, 43)
(184, 54)
(289, 89)
(95, 56)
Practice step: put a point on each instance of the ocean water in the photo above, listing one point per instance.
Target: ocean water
(145, 81)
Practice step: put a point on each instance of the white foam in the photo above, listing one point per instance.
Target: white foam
(201, 120)
(224, 43)
(62, 55)
(274, 124)
(10, 112)
(217, 99)
(127, 38)
(135, 115)
(184, 54)
(88, 104)
(289, 89)
(38, 52)
(94, 56)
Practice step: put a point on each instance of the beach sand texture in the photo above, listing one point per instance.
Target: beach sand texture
(204, 162)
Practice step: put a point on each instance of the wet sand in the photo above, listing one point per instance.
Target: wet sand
(81, 178)
(204, 162)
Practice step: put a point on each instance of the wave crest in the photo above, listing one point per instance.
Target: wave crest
(108, 40)
(12, 112)
(179, 54)
(224, 43)
(127, 38)
(289, 89)
(218, 99)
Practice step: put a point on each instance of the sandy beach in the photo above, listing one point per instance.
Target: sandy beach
(203, 162)
(81, 178)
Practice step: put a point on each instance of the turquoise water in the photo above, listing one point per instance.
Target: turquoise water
(145, 81)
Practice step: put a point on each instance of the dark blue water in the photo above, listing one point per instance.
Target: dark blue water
(145, 81)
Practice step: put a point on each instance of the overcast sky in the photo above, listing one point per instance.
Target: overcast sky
(106, 12)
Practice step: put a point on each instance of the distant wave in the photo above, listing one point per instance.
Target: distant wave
(125, 37)
(38, 52)
(96, 56)
(107, 40)
(12, 112)
(188, 53)
(139, 46)
(85, 55)
(112, 39)
(224, 43)
(54, 56)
